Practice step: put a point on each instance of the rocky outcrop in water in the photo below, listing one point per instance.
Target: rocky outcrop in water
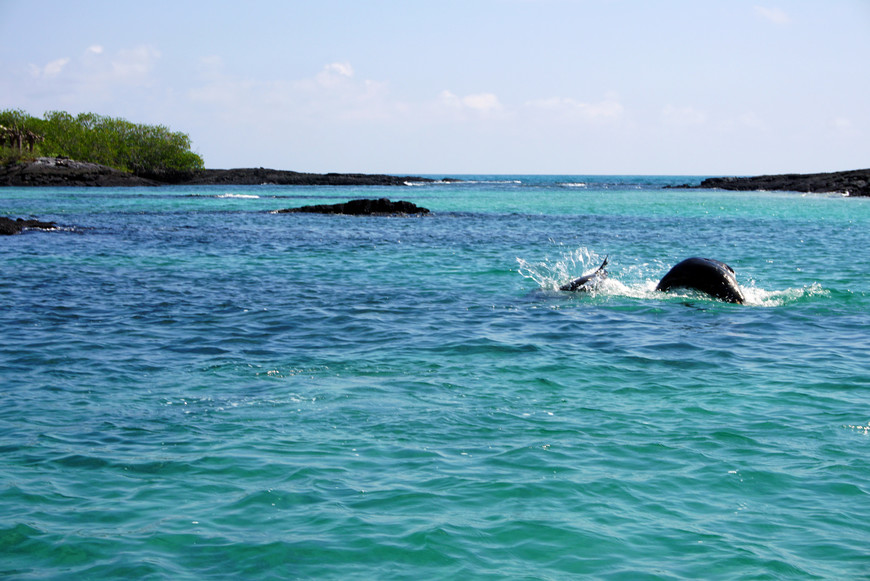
(855, 182)
(381, 207)
(51, 171)
(8, 226)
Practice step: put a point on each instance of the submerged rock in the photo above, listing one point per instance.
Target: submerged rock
(8, 226)
(381, 207)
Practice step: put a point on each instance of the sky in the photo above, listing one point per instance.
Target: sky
(671, 87)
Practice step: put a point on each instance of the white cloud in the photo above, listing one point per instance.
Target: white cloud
(567, 109)
(51, 69)
(343, 69)
(333, 94)
(134, 65)
(842, 123)
(480, 102)
(226, 94)
(87, 81)
(746, 123)
(210, 68)
(683, 116)
(844, 126)
(752, 121)
(334, 74)
(484, 102)
(774, 15)
(212, 61)
(449, 99)
(131, 65)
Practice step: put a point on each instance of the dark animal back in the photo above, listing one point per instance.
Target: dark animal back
(706, 275)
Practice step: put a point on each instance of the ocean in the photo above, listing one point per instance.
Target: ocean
(194, 387)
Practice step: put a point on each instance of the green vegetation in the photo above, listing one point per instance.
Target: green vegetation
(95, 138)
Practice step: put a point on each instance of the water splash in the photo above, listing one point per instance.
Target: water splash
(639, 281)
(550, 274)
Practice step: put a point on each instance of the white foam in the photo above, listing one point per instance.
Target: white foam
(244, 196)
(491, 182)
(764, 298)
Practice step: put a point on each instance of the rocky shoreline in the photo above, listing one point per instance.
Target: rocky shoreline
(54, 172)
(853, 183)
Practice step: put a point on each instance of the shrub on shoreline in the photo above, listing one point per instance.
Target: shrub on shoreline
(89, 137)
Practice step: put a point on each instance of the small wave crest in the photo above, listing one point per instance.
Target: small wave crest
(226, 195)
(573, 184)
(492, 181)
(764, 298)
(859, 428)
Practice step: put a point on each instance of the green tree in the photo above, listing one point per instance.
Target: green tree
(105, 140)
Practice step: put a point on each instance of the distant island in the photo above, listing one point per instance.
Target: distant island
(59, 171)
(94, 150)
(854, 183)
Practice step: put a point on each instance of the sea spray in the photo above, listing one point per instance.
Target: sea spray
(551, 273)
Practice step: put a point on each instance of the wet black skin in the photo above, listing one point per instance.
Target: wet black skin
(706, 275)
(584, 283)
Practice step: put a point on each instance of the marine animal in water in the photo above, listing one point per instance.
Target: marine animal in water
(587, 281)
(706, 275)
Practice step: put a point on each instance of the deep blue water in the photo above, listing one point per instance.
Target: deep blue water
(193, 387)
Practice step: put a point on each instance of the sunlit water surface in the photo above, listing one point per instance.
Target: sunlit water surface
(194, 387)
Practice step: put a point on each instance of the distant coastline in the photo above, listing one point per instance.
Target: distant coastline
(59, 171)
(853, 182)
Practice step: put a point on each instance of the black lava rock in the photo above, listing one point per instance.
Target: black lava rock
(381, 207)
(8, 226)
(855, 182)
(60, 171)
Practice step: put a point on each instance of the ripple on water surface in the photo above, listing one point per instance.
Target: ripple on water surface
(196, 388)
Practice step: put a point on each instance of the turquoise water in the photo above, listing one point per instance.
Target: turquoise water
(196, 388)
